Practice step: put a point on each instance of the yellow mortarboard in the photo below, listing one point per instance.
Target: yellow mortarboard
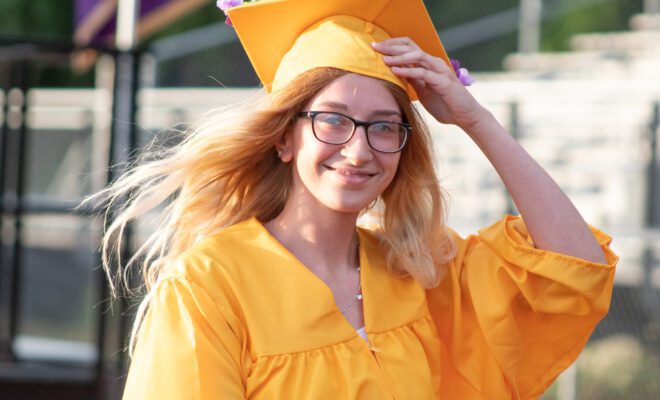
(284, 38)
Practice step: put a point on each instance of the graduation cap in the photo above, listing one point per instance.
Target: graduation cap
(284, 38)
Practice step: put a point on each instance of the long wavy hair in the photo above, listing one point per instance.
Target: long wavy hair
(226, 170)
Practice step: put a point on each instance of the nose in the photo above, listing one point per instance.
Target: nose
(357, 150)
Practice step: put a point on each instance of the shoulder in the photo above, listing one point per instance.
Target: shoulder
(226, 242)
(375, 249)
(370, 237)
(219, 261)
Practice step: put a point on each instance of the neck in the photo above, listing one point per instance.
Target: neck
(324, 240)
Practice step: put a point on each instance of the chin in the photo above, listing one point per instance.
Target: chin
(353, 206)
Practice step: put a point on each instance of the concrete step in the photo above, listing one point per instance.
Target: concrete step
(645, 22)
(539, 88)
(643, 40)
(586, 65)
(569, 64)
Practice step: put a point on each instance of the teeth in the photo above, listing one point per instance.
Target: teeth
(351, 173)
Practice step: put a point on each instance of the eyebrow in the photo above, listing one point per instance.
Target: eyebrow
(344, 107)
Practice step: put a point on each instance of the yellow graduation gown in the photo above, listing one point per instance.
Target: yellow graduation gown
(240, 317)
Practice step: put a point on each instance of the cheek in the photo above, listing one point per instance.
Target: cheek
(391, 166)
(309, 151)
(308, 159)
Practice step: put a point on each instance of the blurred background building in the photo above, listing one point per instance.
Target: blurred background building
(575, 81)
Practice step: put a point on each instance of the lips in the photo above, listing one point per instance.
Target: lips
(350, 176)
(350, 171)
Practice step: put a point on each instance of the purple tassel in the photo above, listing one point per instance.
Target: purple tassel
(462, 74)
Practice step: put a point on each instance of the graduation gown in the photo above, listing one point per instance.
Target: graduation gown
(240, 317)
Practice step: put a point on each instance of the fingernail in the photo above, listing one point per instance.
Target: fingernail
(374, 44)
(387, 58)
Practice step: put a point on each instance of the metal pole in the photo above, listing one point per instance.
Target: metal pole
(650, 297)
(653, 191)
(514, 128)
(529, 33)
(127, 12)
(651, 6)
(125, 80)
(122, 144)
(567, 383)
(652, 207)
(5, 289)
(20, 131)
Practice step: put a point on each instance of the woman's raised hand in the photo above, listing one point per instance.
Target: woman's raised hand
(552, 220)
(439, 90)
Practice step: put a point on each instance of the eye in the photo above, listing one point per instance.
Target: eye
(384, 128)
(332, 120)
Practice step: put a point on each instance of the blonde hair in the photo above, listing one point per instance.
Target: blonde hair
(226, 170)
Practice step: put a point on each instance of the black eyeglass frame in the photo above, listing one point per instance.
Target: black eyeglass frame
(357, 123)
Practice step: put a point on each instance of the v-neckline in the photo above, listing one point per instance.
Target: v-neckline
(327, 292)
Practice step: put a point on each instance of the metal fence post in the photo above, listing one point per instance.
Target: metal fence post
(653, 192)
(5, 343)
(651, 6)
(122, 145)
(567, 383)
(514, 127)
(650, 296)
(529, 32)
(19, 128)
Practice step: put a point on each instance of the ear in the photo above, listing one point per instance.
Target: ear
(284, 147)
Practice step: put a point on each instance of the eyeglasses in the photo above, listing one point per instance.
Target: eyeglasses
(336, 128)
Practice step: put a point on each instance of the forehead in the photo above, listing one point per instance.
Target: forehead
(360, 94)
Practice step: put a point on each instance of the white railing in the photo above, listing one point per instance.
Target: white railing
(595, 145)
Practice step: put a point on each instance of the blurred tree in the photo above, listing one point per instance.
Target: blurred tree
(603, 15)
(583, 16)
(485, 55)
(53, 20)
(40, 20)
(36, 18)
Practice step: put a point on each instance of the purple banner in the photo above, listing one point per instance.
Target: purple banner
(95, 20)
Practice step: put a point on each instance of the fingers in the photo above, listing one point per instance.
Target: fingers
(400, 41)
(405, 52)
(417, 58)
(393, 49)
(409, 57)
(418, 85)
(395, 46)
(409, 61)
(422, 77)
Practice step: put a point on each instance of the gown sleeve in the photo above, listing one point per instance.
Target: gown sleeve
(512, 316)
(188, 347)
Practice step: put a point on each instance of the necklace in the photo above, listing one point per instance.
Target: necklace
(356, 297)
(358, 292)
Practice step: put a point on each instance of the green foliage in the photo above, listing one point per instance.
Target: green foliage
(446, 14)
(53, 19)
(36, 18)
(603, 15)
(607, 15)
(486, 56)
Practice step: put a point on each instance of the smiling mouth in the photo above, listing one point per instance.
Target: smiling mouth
(350, 172)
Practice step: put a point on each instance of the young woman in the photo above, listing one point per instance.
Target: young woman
(261, 286)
